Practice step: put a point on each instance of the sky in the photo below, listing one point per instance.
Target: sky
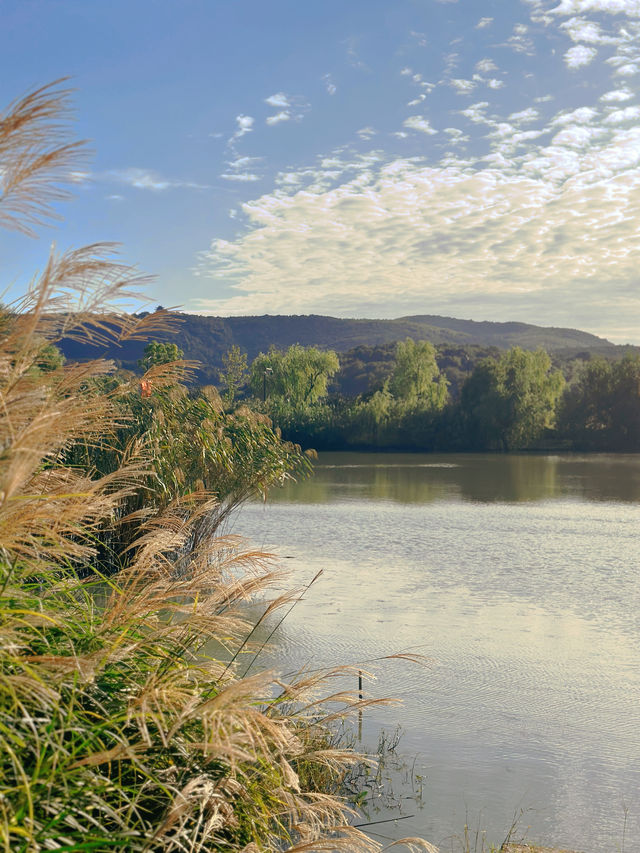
(357, 158)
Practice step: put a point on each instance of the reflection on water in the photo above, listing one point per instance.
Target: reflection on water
(518, 576)
(416, 478)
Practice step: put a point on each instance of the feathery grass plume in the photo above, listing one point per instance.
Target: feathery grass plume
(118, 730)
(36, 157)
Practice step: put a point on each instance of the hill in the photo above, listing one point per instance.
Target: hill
(206, 339)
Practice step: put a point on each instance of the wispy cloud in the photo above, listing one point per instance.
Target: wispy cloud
(243, 177)
(520, 42)
(237, 170)
(462, 87)
(484, 66)
(244, 126)
(147, 179)
(278, 100)
(283, 115)
(330, 86)
(419, 123)
(290, 107)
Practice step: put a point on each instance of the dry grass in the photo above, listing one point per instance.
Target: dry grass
(117, 732)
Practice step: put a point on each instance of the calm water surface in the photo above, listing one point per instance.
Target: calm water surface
(518, 576)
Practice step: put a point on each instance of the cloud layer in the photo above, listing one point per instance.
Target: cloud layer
(531, 207)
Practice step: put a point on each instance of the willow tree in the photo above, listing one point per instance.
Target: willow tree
(416, 379)
(297, 377)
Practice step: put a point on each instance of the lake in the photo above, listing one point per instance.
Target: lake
(518, 577)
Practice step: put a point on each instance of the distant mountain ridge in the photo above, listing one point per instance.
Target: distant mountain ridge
(207, 339)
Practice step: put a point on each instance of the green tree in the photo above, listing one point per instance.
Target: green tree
(416, 379)
(601, 410)
(296, 378)
(508, 402)
(234, 375)
(159, 352)
(49, 358)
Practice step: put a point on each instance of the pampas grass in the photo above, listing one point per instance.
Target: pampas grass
(117, 730)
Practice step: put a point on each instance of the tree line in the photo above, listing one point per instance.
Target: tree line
(512, 400)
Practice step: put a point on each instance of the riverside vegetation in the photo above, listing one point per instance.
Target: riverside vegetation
(117, 731)
(509, 400)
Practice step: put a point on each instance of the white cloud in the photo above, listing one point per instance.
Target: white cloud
(484, 22)
(486, 65)
(616, 95)
(621, 116)
(141, 179)
(412, 235)
(540, 204)
(579, 55)
(576, 136)
(581, 115)
(628, 69)
(278, 100)
(243, 177)
(451, 61)
(419, 123)
(79, 176)
(457, 136)
(283, 115)
(462, 87)
(242, 162)
(519, 42)
(238, 169)
(614, 7)
(245, 125)
(147, 179)
(476, 112)
(525, 115)
(583, 30)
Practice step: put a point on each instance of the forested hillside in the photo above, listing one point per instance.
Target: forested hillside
(207, 339)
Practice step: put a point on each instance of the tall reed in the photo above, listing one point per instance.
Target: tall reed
(117, 730)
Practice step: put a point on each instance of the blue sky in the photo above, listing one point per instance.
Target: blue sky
(357, 158)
